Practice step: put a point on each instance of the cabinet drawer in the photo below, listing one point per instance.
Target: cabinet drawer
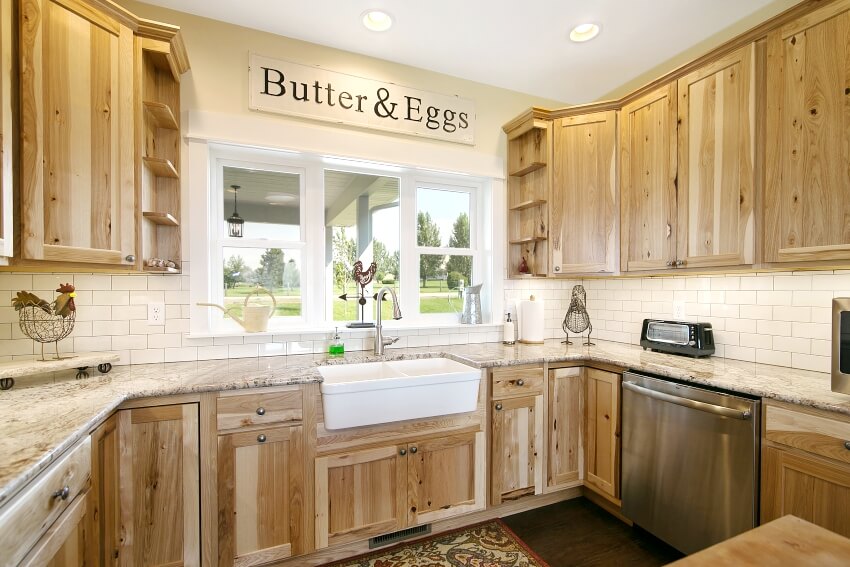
(37, 507)
(517, 382)
(810, 432)
(260, 408)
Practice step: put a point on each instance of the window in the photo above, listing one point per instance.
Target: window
(444, 245)
(268, 196)
(306, 221)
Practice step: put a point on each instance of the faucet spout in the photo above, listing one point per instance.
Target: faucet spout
(380, 340)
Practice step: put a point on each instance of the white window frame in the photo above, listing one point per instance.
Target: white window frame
(314, 148)
(222, 156)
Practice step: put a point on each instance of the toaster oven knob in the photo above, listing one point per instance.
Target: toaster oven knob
(692, 343)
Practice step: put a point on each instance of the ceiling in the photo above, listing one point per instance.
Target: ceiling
(518, 46)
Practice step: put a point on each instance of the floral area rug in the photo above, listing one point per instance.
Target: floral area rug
(491, 544)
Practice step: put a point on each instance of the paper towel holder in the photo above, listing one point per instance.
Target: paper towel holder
(526, 341)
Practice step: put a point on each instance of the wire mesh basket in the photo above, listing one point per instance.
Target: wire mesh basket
(45, 327)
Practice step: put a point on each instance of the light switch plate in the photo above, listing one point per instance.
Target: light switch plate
(156, 313)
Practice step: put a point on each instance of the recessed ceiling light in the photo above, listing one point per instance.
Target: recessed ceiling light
(377, 20)
(584, 32)
(280, 198)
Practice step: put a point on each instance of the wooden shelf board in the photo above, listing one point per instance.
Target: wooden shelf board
(166, 219)
(161, 270)
(533, 166)
(528, 204)
(527, 240)
(160, 115)
(161, 167)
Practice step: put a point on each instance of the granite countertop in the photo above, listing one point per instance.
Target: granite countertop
(44, 415)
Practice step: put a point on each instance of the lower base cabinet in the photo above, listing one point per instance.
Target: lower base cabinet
(66, 543)
(261, 495)
(602, 443)
(809, 487)
(368, 492)
(516, 467)
(159, 486)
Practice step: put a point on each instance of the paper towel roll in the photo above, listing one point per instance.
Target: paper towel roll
(531, 321)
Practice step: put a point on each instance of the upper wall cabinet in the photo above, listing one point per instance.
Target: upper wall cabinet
(583, 211)
(7, 139)
(648, 181)
(77, 150)
(715, 170)
(807, 144)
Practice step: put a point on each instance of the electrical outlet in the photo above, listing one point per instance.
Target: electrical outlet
(679, 310)
(156, 313)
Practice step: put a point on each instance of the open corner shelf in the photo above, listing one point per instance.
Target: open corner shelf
(166, 219)
(161, 115)
(161, 167)
(161, 270)
(528, 239)
(533, 166)
(528, 204)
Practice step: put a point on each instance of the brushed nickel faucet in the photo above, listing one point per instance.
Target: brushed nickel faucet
(380, 341)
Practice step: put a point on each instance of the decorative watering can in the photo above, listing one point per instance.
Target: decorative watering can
(472, 305)
(255, 318)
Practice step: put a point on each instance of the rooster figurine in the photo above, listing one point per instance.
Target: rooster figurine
(65, 301)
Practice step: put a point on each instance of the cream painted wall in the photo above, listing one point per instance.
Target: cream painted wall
(218, 80)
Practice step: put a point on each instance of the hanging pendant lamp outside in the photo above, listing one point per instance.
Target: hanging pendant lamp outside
(235, 222)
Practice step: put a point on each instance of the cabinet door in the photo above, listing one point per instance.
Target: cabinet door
(807, 159)
(517, 444)
(445, 477)
(65, 544)
(583, 225)
(6, 131)
(260, 495)
(564, 428)
(104, 496)
(602, 457)
(160, 489)
(360, 494)
(77, 179)
(716, 175)
(648, 181)
(809, 487)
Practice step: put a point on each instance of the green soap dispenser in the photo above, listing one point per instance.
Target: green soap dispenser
(337, 347)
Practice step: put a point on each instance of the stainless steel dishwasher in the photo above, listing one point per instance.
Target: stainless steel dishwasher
(690, 461)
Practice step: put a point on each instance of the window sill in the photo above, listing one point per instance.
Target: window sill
(405, 328)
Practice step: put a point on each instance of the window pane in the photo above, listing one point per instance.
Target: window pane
(268, 201)
(441, 282)
(442, 218)
(277, 270)
(361, 223)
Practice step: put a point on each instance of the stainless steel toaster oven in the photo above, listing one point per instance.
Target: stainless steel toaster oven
(841, 345)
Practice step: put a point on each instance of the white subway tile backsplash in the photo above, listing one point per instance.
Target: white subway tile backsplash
(774, 357)
(756, 341)
(813, 298)
(756, 312)
(773, 297)
(130, 342)
(810, 362)
(792, 344)
(770, 327)
(740, 353)
(812, 331)
(148, 356)
(110, 327)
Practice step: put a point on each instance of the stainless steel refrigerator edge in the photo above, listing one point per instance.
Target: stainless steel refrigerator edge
(690, 461)
(841, 345)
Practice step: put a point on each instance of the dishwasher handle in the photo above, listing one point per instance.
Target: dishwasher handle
(688, 403)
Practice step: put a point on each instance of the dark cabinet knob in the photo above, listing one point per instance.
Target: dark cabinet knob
(403, 452)
(261, 438)
(261, 411)
(413, 450)
(847, 445)
(130, 258)
(62, 493)
(520, 382)
(498, 407)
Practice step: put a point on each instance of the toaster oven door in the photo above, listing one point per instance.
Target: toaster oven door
(670, 333)
(841, 345)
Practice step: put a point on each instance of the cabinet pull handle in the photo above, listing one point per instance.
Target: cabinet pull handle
(403, 452)
(261, 438)
(498, 407)
(62, 493)
(847, 445)
(130, 258)
(261, 411)
(520, 382)
(413, 450)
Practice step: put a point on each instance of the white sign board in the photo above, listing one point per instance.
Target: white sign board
(311, 92)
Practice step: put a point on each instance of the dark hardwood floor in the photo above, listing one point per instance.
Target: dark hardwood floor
(577, 532)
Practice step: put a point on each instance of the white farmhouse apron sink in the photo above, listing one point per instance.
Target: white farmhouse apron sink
(368, 393)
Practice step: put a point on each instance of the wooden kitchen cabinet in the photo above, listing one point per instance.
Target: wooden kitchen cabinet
(8, 83)
(77, 161)
(809, 487)
(516, 432)
(564, 427)
(104, 495)
(261, 495)
(159, 485)
(368, 492)
(65, 544)
(807, 157)
(583, 210)
(648, 181)
(602, 443)
(716, 174)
